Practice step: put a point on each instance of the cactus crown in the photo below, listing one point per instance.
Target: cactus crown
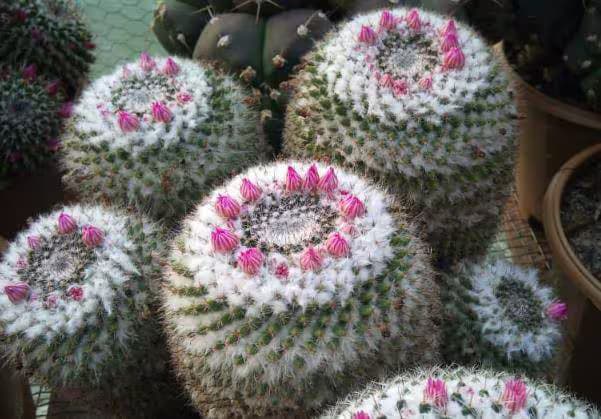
(77, 284)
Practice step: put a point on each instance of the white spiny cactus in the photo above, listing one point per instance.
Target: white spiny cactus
(291, 284)
(157, 134)
(421, 102)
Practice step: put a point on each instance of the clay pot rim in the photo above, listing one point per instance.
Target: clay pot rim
(563, 253)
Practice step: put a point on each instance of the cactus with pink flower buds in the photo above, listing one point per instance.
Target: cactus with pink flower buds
(157, 134)
(460, 393)
(282, 296)
(420, 102)
(501, 316)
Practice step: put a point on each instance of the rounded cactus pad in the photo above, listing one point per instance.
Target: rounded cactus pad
(458, 393)
(157, 133)
(420, 101)
(76, 289)
(500, 314)
(295, 275)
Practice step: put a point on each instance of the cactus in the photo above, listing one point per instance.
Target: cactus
(29, 121)
(283, 281)
(446, 7)
(422, 103)
(461, 392)
(500, 316)
(77, 293)
(157, 134)
(50, 34)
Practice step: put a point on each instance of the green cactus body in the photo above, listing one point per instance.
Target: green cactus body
(29, 123)
(438, 126)
(461, 393)
(50, 34)
(156, 135)
(500, 316)
(285, 292)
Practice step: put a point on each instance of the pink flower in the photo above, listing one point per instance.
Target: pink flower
(310, 260)
(17, 292)
(387, 81)
(53, 145)
(183, 98)
(249, 190)
(223, 240)
(311, 178)
(33, 242)
(75, 292)
(66, 110)
(293, 180)
(449, 41)
(337, 245)
(66, 223)
(329, 182)
(281, 271)
(146, 62)
(160, 112)
(22, 263)
(436, 393)
(53, 87)
(367, 35)
(128, 122)
(515, 395)
(251, 260)
(350, 229)
(426, 82)
(170, 68)
(352, 207)
(387, 20)
(92, 236)
(557, 310)
(413, 20)
(454, 58)
(30, 73)
(361, 415)
(227, 207)
(400, 88)
(448, 28)
(52, 300)
(89, 45)
(125, 72)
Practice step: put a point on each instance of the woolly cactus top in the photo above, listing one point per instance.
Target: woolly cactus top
(461, 393)
(77, 283)
(289, 232)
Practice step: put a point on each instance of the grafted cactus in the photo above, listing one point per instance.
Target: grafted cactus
(422, 103)
(295, 276)
(157, 134)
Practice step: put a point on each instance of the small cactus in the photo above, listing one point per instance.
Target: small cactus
(156, 134)
(458, 393)
(295, 276)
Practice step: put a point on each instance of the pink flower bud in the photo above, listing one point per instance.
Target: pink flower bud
(89, 45)
(227, 207)
(53, 145)
(251, 260)
(66, 110)
(400, 88)
(367, 35)
(92, 236)
(311, 178)
(293, 180)
(75, 292)
(449, 28)
(160, 112)
(387, 20)
(350, 229)
(30, 73)
(22, 263)
(52, 300)
(223, 240)
(66, 224)
(329, 182)
(281, 271)
(436, 393)
(310, 260)
(337, 245)
(33, 242)
(361, 415)
(515, 395)
(146, 62)
(449, 41)
(249, 191)
(454, 58)
(426, 82)
(413, 20)
(352, 207)
(170, 68)
(127, 122)
(17, 292)
(183, 98)
(557, 310)
(125, 72)
(387, 81)
(53, 87)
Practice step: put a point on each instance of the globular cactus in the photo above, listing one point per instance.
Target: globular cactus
(446, 7)
(499, 315)
(50, 34)
(422, 103)
(459, 393)
(78, 300)
(285, 290)
(157, 134)
(30, 121)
